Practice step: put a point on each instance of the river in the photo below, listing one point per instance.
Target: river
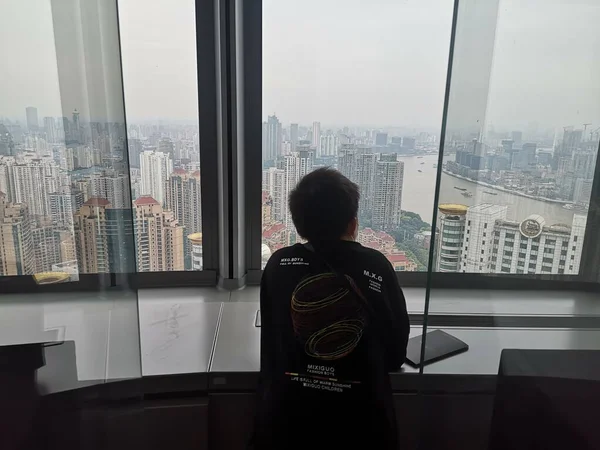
(419, 190)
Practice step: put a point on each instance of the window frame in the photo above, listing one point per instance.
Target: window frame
(586, 280)
(206, 47)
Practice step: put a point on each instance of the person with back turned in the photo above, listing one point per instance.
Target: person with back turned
(333, 325)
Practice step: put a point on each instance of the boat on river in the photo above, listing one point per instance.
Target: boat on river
(491, 193)
(467, 194)
(460, 189)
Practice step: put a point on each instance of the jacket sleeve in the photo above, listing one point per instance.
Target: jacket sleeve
(395, 326)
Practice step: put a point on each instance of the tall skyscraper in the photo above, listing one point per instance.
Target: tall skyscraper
(297, 165)
(273, 139)
(91, 240)
(16, 246)
(294, 136)
(451, 227)
(329, 145)
(183, 198)
(517, 137)
(32, 119)
(387, 198)
(381, 139)
(76, 127)
(158, 237)
(63, 205)
(7, 146)
(50, 129)
(32, 182)
(477, 252)
(155, 169)
(316, 137)
(274, 185)
(46, 248)
(114, 188)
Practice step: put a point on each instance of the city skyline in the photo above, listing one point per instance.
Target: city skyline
(70, 203)
(159, 67)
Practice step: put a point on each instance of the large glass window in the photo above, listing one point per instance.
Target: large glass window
(43, 207)
(522, 136)
(359, 87)
(158, 42)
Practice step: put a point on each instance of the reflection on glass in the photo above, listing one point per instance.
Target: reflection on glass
(522, 139)
(159, 70)
(355, 90)
(39, 151)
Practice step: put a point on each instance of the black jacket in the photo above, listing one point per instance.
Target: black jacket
(308, 402)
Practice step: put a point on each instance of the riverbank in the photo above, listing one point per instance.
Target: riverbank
(508, 191)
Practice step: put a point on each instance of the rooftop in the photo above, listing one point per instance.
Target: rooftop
(97, 201)
(145, 200)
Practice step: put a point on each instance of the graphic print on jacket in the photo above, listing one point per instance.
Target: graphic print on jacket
(328, 316)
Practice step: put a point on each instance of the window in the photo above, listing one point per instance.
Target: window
(394, 164)
(523, 246)
(522, 255)
(158, 45)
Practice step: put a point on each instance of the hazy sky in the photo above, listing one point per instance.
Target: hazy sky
(378, 63)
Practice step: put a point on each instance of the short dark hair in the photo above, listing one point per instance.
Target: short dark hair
(322, 205)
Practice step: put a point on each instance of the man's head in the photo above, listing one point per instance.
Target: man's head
(324, 206)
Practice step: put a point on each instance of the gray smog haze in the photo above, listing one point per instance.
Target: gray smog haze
(377, 63)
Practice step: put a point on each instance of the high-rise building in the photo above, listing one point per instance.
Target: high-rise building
(409, 143)
(63, 205)
(273, 138)
(183, 198)
(381, 139)
(583, 164)
(358, 164)
(479, 229)
(533, 247)
(16, 246)
(46, 248)
(32, 119)
(165, 145)
(489, 243)
(329, 145)
(135, 148)
(517, 137)
(316, 137)
(158, 237)
(451, 230)
(387, 195)
(583, 191)
(50, 129)
(91, 241)
(274, 184)
(76, 128)
(7, 146)
(155, 169)
(114, 188)
(32, 182)
(297, 165)
(119, 239)
(294, 135)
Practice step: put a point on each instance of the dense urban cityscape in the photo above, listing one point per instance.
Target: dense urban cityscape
(65, 197)
(66, 193)
(553, 168)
